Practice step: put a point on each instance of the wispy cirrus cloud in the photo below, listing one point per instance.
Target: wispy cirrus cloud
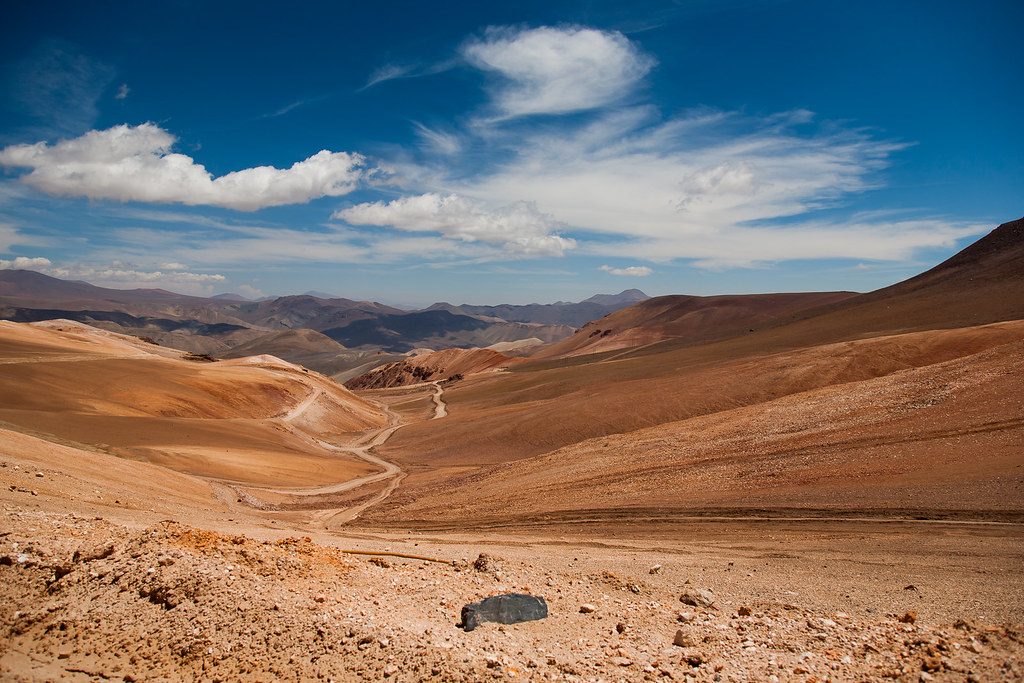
(720, 189)
(292, 106)
(392, 72)
(438, 141)
(136, 163)
(58, 88)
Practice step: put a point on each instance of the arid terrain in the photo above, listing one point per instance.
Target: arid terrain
(819, 487)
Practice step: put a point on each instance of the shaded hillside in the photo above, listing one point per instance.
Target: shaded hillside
(29, 285)
(623, 298)
(303, 311)
(216, 325)
(687, 318)
(431, 366)
(310, 349)
(437, 329)
(561, 313)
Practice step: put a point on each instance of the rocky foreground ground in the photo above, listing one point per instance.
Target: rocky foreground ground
(83, 598)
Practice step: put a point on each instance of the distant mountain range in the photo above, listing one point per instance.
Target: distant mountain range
(353, 334)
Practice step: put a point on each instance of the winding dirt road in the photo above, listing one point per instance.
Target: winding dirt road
(440, 407)
(362, 450)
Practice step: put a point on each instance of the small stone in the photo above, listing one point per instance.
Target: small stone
(390, 670)
(682, 640)
(700, 597)
(620, 627)
(656, 569)
(621, 661)
(686, 617)
(39, 474)
(909, 618)
(588, 608)
(744, 611)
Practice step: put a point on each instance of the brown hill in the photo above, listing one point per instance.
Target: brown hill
(540, 406)
(245, 420)
(310, 349)
(940, 437)
(981, 284)
(560, 313)
(432, 366)
(686, 318)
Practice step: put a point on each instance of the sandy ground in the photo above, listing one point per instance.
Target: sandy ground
(142, 599)
(120, 569)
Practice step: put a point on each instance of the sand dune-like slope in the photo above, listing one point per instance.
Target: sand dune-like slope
(432, 366)
(246, 420)
(944, 436)
(688, 318)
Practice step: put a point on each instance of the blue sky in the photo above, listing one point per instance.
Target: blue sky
(411, 152)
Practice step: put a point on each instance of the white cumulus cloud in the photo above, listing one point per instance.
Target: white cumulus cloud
(629, 271)
(25, 263)
(551, 70)
(135, 163)
(518, 228)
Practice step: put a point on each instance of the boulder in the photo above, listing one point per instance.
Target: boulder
(511, 608)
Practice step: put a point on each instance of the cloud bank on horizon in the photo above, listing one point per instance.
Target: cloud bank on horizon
(567, 156)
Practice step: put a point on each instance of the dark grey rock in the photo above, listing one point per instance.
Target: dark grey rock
(510, 608)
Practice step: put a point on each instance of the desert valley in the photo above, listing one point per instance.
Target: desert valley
(583, 341)
(767, 487)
